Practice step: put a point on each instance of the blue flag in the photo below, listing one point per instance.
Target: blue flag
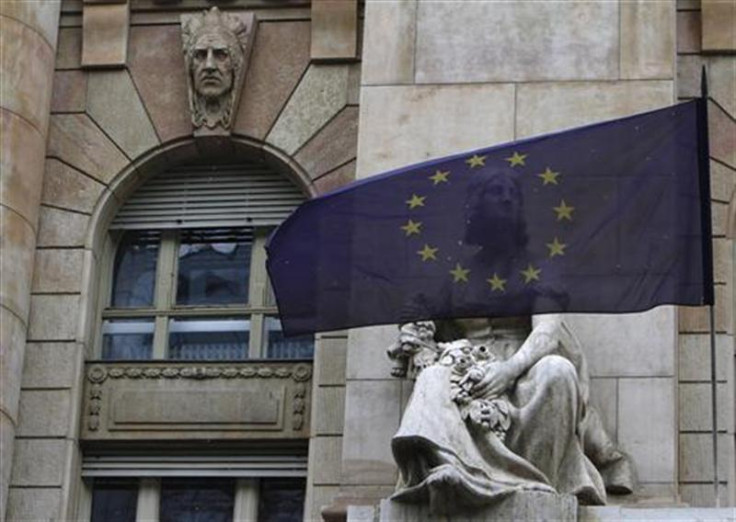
(607, 218)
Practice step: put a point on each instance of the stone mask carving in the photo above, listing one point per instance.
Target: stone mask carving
(216, 47)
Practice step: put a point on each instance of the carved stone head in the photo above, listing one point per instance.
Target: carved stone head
(216, 47)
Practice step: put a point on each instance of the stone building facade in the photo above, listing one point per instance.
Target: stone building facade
(96, 117)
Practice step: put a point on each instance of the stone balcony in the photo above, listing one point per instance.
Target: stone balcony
(149, 400)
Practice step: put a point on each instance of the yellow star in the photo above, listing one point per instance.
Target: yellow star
(531, 274)
(497, 283)
(556, 248)
(517, 159)
(416, 201)
(549, 177)
(476, 161)
(412, 227)
(440, 177)
(428, 253)
(459, 274)
(563, 211)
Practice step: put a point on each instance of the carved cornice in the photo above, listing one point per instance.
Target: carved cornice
(98, 373)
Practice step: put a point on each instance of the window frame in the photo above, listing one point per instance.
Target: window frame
(259, 306)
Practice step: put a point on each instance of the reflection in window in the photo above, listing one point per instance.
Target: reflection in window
(114, 500)
(135, 269)
(281, 500)
(214, 266)
(127, 338)
(209, 338)
(280, 347)
(197, 500)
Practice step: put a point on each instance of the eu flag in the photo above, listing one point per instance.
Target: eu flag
(607, 218)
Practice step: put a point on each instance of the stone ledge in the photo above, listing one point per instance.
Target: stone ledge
(618, 513)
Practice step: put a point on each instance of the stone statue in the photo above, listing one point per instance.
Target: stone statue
(216, 49)
(499, 406)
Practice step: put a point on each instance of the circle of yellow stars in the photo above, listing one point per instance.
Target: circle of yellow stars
(564, 211)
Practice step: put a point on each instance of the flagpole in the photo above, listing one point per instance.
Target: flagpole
(708, 261)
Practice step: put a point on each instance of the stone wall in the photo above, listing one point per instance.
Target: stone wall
(439, 78)
(28, 33)
(695, 415)
(109, 130)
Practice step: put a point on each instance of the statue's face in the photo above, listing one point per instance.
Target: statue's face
(212, 66)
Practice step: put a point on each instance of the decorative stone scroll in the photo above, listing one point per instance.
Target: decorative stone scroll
(216, 48)
(242, 400)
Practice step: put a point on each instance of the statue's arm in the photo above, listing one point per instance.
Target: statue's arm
(543, 340)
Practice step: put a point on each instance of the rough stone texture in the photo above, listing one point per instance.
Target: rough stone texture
(69, 48)
(319, 96)
(319, 497)
(695, 407)
(721, 78)
(49, 365)
(329, 364)
(70, 91)
(44, 413)
(38, 462)
(333, 146)
(703, 495)
(33, 504)
(334, 29)
(619, 513)
(530, 506)
(367, 352)
(722, 182)
(27, 63)
(280, 57)
(53, 317)
(647, 39)
(76, 139)
(549, 107)
(629, 336)
(61, 228)
(113, 103)
(491, 41)
(156, 64)
(646, 427)
(105, 35)
(371, 419)
(327, 451)
(21, 163)
(329, 408)
(401, 125)
(719, 20)
(336, 179)
(604, 396)
(722, 260)
(42, 16)
(695, 357)
(390, 33)
(58, 271)
(696, 319)
(16, 262)
(696, 457)
(12, 334)
(688, 32)
(68, 188)
(7, 438)
(722, 135)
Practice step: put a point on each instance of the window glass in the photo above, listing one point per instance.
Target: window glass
(209, 338)
(281, 500)
(135, 269)
(280, 347)
(127, 338)
(114, 500)
(214, 266)
(197, 500)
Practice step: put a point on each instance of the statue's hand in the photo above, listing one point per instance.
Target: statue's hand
(499, 377)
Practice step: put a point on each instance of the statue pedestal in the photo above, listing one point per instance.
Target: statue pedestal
(529, 506)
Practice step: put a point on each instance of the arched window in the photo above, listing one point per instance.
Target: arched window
(187, 277)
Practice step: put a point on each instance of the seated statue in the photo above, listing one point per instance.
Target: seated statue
(499, 405)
